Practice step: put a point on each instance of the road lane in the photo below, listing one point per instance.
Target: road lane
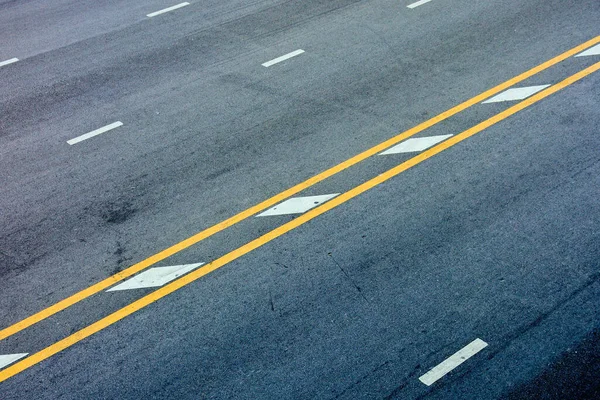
(35, 27)
(6, 332)
(508, 255)
(69, 94)
(329, 95)
(283, 229)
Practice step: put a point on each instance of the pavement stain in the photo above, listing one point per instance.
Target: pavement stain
(19, 263)
(223, 171)
(122, 260)
(118, 212)
(8, 263)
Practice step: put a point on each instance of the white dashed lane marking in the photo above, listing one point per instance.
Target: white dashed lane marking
(283, 58)
(12, 60)
(593, 51)
(155, 277)
(95, 133)
(516, 94)
(418, 3)
(7, 359)
(297, 205)
(416, 144)
(165, 10)
(453, 361)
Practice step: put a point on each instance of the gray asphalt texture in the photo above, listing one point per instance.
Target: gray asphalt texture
(496, 238)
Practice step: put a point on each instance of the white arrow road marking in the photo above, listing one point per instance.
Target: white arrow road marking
(453, 361)
(155, 277)
(593, 51)
(516, 94)
(297, 205)
(416, 144)
(7, 359)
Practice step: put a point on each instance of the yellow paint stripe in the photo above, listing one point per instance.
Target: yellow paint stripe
(281, 230)
(134, 269)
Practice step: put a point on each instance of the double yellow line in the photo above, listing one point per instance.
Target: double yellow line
(256, 243)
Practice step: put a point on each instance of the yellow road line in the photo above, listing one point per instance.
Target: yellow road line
(281, 230)
(134, 269)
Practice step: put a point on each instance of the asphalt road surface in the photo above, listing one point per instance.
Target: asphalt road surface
(317, 199)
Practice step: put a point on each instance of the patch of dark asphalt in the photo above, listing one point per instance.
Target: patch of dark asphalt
(575, 374)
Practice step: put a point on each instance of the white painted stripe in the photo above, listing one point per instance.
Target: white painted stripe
(415, 144)
(516, 94)
(418, 3)
(95, 133)
(283, 58)
(155, 277)
(592, 51)
(12, 60)
(7, 359)
(297, 205)
(453, 361)
(154, 14)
